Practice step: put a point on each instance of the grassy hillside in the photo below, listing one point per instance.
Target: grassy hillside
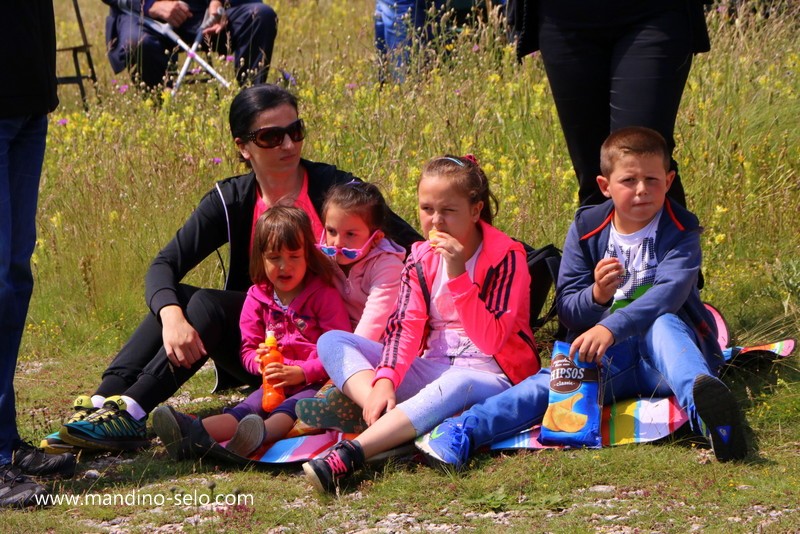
(121, 178)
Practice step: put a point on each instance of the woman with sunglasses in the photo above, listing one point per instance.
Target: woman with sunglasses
(190, 324)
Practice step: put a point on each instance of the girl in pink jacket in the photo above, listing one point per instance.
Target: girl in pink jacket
(292, 296)
(368, 264)
(459, 331)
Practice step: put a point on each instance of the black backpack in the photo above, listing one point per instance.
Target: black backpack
(543, 264)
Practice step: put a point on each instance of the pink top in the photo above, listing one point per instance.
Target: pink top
(370, 288)
(303, 202)
(317, 309)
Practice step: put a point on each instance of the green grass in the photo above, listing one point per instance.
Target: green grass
(120, 179)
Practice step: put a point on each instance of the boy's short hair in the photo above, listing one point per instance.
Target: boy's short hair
(633, 140)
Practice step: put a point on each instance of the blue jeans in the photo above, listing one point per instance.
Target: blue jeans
(22, 142)
(664, 361)
(393, 19)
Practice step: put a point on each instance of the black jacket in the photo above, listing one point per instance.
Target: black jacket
(215, 223)
(28, 59)
(524, 16)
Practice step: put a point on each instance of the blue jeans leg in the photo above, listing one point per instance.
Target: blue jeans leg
(22, 142)
(509, 412)
(670, 347)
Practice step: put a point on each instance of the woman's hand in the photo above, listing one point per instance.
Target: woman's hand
(280, 375)
(452, 252)
(181, 341)
(380, 400)
(607, 276)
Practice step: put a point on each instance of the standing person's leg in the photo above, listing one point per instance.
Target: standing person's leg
(578, 66)
(398, 19)
(22, 144)
(138, 49)
(252, 29)
(650, 67)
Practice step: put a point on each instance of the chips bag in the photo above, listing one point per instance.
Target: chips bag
(574, 412)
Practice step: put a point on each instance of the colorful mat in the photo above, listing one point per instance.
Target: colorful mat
(628, 421)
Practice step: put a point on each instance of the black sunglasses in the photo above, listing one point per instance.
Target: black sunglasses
(272, 136)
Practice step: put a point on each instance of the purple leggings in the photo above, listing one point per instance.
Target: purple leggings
(252, 404)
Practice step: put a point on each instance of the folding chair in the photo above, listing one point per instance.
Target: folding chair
(83, 48)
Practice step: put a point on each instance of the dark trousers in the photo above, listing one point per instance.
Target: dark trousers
(608, 77)
(250, 34)
(142, 371)
(22, 143)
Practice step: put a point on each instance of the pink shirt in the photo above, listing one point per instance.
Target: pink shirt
(303, 202)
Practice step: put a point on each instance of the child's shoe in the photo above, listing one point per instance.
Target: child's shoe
(342, 460)
(724, 425)
(37, 463)
(334, 410)
(109, 428)
(449, 443)
(173, 428)
(249, 435)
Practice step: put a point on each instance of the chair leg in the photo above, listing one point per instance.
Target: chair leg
(79, 78)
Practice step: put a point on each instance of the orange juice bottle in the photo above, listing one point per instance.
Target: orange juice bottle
(272, 396)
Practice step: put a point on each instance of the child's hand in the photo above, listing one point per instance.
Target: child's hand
(592, 344)
(380, 400)
(261, 351)
(452, 252)
(280, 375)
(607, 276)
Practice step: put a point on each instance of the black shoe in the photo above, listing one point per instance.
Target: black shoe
(18, 491)
(37, 463)
(173, 428)
(200, 441)
(343, 459)
(717, 409)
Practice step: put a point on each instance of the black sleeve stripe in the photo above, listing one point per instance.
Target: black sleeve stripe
(501, 285)
(394, 327)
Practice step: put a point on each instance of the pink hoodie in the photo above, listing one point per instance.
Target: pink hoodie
(317, 309)
(498, 323)
(370, 288)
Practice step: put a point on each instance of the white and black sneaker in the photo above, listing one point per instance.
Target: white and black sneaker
(724, 424)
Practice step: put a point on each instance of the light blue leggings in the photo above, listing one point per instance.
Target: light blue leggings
(431, 389)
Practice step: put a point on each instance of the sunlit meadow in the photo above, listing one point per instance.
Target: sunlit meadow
(121, 178)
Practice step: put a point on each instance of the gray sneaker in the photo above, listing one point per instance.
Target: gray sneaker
(249, 435)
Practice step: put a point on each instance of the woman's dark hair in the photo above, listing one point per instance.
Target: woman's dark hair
(289, 227)
(468, 178)
(253, 100)
(359, 198)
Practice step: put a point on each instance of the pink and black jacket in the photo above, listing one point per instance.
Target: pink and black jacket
(494, 310)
